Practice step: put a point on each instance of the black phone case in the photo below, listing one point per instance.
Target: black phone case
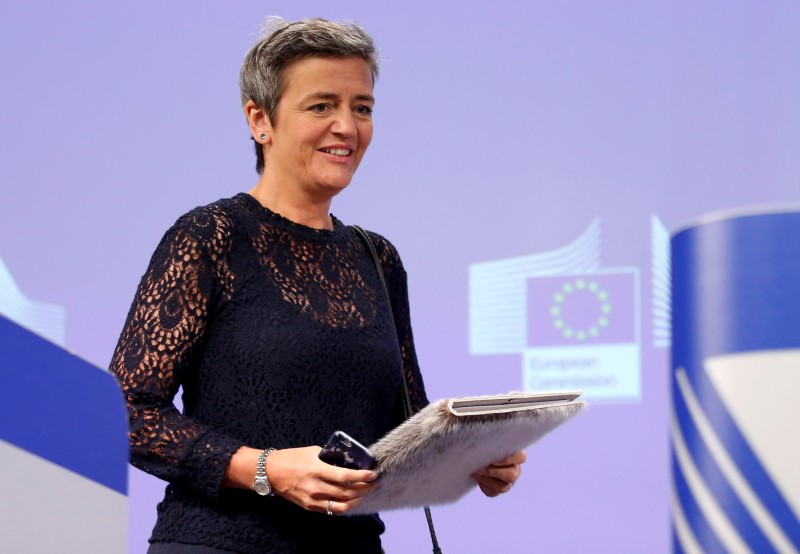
(344, 451)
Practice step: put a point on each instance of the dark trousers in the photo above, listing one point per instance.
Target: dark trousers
(176, 548)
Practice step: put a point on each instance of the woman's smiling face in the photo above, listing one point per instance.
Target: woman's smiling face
(323, 125)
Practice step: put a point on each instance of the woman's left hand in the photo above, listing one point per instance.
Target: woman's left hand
(500, 476)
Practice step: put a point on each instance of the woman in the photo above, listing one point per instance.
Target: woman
(269, 313)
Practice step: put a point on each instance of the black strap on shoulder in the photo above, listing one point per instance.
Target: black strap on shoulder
(407, 409)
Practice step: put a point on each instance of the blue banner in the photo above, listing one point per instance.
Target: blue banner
(735, 373)
(62, 408)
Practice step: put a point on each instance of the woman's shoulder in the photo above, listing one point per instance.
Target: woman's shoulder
(216, 219)
(211, 225)
(220, 210)
(387, 251)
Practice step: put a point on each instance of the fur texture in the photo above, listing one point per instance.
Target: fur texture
(429, 459)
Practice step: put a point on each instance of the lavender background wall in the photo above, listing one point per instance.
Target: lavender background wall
(502, 130)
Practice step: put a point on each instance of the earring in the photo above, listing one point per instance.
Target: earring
(263, 136)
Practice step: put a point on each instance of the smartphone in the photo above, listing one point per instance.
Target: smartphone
(344, 451)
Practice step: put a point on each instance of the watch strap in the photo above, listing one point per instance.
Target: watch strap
(261, 482)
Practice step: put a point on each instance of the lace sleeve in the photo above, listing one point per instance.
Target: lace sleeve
(397, 281)
(164, 328)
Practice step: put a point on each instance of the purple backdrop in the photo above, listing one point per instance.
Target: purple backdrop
(503, 130)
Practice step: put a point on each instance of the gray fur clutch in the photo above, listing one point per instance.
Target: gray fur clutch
(429, 459)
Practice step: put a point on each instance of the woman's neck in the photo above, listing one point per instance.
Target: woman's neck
(294, 207)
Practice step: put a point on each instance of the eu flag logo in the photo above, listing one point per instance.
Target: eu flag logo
(583, 334)
(581, 309)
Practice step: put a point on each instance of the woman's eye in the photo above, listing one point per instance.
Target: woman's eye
(320, 108)
(363, 110)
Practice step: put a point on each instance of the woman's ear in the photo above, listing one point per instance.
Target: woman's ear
(258, 120)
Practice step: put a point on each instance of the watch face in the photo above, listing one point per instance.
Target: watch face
(262, 487)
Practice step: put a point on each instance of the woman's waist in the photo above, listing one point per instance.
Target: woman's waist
(240, 520)
(293, 416)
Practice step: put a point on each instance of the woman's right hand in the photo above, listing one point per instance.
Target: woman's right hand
(298, 475)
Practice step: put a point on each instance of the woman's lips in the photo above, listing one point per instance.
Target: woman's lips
(337, 151)
(337, 154)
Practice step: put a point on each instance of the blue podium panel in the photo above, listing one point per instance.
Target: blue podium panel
(735, 373)
(64, 449)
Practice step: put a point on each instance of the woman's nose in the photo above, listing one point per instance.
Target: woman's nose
(344, 123)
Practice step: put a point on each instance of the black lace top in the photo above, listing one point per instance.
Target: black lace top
(279, 335)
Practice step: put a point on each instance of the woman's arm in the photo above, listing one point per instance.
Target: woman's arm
(298, 475)
(164, 327)
(397, 282)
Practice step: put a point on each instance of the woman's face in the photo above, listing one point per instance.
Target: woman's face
(323, 125)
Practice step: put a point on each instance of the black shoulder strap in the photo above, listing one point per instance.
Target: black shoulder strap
(406, 398)
(407, 409)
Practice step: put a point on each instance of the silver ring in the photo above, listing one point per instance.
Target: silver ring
(330, 506)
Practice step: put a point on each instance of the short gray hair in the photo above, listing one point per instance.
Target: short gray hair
(282, 42)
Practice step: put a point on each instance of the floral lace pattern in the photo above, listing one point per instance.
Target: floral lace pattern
(278, 335)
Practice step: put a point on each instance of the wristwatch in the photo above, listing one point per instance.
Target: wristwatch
(261, 484)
